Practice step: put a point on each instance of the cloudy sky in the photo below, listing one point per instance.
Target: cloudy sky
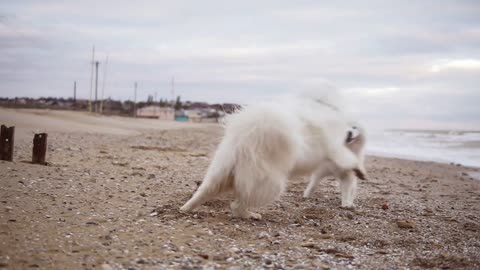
(401, 64)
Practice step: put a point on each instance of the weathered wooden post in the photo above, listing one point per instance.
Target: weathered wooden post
(6, 143)
(39, 148)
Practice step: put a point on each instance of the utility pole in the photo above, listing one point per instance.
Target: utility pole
(91, 80)
(173, 90)
(103, 84)
(155, 104)
(75, 92)
(96, 86)
(135, 101)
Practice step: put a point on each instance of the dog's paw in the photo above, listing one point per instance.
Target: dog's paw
(184, 209)
(255, 216)
(348, 206)
(247, 215)
(307, 194)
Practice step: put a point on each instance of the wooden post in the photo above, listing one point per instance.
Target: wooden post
(6, 143)
(39, 148)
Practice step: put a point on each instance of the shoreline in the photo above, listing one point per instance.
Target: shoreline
(414, 158)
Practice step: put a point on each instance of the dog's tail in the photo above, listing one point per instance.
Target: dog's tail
(219, 178)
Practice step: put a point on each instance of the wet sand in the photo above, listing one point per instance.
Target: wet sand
(109, 196)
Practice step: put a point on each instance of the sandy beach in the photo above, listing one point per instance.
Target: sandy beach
(110, 194)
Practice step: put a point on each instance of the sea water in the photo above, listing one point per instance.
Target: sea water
(459, 147)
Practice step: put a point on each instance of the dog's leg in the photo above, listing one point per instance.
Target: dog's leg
(241, 211)
(207, 192)
(203, 194)
(219, 178)
(256, 187)
(348, 189)
(314, 179)
(343, 158)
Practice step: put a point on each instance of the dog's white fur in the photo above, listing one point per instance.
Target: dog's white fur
(264, 144)
(348, 181)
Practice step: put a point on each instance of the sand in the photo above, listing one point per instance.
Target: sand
(28, 121)
(109, 196)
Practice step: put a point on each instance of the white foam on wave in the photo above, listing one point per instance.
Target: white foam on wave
(445, 147)
(475, 175)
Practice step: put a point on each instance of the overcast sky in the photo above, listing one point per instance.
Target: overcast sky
(401, 63)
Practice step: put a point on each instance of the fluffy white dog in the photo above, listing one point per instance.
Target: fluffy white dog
(264, 144)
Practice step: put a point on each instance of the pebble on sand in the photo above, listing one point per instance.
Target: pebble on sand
(406, 224)
(106, 267)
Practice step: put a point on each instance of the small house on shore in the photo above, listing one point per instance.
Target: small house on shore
(156, 112)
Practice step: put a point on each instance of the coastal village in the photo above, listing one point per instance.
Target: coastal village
(177, 110)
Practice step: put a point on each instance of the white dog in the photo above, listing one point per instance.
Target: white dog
(264, 144)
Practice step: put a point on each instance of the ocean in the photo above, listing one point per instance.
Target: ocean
(459, 147)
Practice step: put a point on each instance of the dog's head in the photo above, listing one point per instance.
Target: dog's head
(355, 141)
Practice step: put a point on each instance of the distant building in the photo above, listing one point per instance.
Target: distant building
(189, 111)
(162, 113)
(226, 107)
(198, 106)
(194, 116)
(21, 101)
